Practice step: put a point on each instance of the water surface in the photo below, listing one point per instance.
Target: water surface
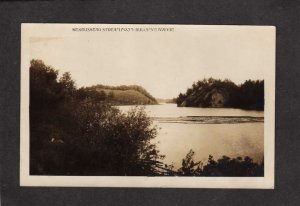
(207, 131)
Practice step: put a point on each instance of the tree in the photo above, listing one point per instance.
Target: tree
(189, 166)
(67, 84)
(43, 85)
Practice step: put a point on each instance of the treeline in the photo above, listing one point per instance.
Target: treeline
(224, 93)
(137, 88)
(124, 95)
(74, 132)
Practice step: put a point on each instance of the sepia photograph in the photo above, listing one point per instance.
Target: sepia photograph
(110, 105)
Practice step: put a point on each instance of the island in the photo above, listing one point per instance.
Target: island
(218, 93)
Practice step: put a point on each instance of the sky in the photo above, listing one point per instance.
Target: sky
(164, 63)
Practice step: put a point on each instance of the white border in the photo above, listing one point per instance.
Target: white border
(266, 182)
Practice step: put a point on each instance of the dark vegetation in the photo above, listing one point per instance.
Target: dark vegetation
(218, 93)
(75, 132)
(225, 166)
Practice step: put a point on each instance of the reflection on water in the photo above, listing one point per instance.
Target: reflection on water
(208, 131)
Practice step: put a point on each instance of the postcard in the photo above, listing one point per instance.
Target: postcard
(147, 105)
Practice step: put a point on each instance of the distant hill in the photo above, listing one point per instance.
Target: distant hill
(223, 93)
(167, 101)
(124, 95)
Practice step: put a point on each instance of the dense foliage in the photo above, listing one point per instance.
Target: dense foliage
(217, 93)
(75, 132)
(72, 131)
(225, 166)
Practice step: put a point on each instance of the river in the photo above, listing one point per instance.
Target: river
(207, 131)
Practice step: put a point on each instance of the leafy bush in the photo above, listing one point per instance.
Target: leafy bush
(189, 166)
(225, 166)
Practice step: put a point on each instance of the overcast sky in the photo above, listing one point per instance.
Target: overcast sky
(164, 63)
